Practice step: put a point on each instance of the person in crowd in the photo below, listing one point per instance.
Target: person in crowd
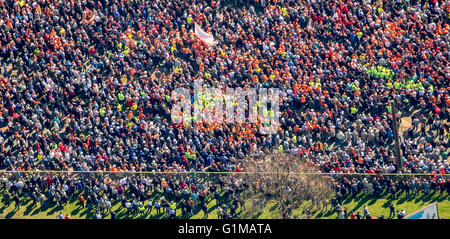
(87, 86)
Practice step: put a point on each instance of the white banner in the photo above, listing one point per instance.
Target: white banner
(428, 212)
(206, 37)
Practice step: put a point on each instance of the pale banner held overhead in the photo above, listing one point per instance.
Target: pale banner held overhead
(204, 36)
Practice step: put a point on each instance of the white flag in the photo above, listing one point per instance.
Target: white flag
(206, 37)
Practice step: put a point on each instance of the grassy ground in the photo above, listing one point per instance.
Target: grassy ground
(377, 207)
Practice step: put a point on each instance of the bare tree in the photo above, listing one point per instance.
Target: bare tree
(284, 179)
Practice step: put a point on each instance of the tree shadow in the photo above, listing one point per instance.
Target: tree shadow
(42, 208)
(257, 215)
(25, 202)
(183, 216)
(385, 194)
(441, 198)
(212, 208)
(388, 203)
(274, 207)
(427, 198)
(12, 213)
(196, 211)
(75, 211)
(88, 214)
(421, 198)
(349, 200)
(361, 202)
(122, 209)
(123, 214)
(72, 199)
(402, 200)
(159, 216)
(328, 213)
(36, 211)
(373, 201)
(360, 196)
(3, 208)
(86, 211)
(55, 209)
(141, 216)
(29, 208)
(319, 215)
(411, 198)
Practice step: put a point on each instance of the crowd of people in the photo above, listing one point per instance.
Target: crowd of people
(185, 196)
(86, 85)
(412, 187)
(168, 197)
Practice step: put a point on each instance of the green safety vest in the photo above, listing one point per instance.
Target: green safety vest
(359, 34)
(280, 149)
(121, 97)
(102, 112)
